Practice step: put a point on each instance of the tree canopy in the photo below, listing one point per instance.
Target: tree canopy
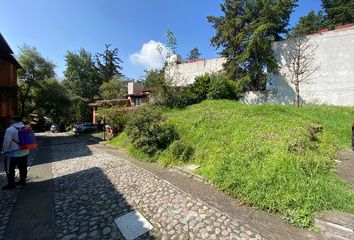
(154, 78)
(339, 12)
(194, 54)
(308, 24)
(245, 34)
(53, 101)
(108, 64)
(81, 77)
(35, 71)
(334, 13)
(114, 89)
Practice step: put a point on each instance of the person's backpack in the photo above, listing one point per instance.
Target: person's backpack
(26, 138)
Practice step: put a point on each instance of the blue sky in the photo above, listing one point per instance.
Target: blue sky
(135, 27)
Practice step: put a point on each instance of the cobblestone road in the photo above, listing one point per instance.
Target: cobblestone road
(92, 188)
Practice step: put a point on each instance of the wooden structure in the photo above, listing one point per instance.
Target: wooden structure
(8, 85)
(137, 94)
(107, 103)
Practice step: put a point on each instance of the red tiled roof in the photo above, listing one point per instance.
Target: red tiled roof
(336, 28)
(197, 60)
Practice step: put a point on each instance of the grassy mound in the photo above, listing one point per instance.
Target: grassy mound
(278, 158)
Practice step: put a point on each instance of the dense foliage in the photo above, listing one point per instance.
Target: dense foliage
(334, 13)
(113, 89)
(209, 86)
(53, 101)
(108, 64)
(81, 77)
(165, 93)
(34, 73)
(148, 132)
(154, 78)
(86, 79)
(308, 24)
(116, 117)
(339, 12)
(245, 35)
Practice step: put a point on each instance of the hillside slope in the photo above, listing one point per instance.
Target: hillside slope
(278, 158)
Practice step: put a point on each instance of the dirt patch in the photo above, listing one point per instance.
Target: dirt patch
(345, 166)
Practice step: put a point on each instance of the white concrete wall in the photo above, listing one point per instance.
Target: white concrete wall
(185, 73)
(332, 83)
(252, 97)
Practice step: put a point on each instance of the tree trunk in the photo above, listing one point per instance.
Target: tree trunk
(23, 101)
(297, 94)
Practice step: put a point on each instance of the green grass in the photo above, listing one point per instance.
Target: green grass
(264, 155)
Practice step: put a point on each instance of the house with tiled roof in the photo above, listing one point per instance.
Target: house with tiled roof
(8, 84)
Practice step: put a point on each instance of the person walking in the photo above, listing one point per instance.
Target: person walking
(13, 156)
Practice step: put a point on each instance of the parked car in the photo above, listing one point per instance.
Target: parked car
(75, 125)
(85, 127)
(56, 128)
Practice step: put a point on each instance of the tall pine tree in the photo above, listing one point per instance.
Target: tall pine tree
(245, 35)
(339, 12)
(308, 24)
(194, 54)
(108, 64)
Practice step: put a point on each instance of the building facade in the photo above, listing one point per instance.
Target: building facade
(8, 85)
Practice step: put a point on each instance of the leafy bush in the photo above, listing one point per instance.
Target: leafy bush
(167, 95)
(200, 88)
(210, 86)
(116, 117)
(113, 89)
(147, 131)
(83, 113)
(220, 88)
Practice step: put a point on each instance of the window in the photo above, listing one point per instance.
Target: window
(138, 101)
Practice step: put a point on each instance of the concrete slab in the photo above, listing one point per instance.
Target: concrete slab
(192, 167)
(133, 225)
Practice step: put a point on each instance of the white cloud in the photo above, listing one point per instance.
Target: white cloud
(152, 55)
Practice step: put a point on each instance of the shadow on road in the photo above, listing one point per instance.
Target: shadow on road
(78, 147)
(87, 202)
(82, 204)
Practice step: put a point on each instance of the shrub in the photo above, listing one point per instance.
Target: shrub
(200, 88)
(210, 86)
(147, 131)
(116, 117)
(220, 88)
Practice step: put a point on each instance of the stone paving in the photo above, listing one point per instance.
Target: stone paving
(8, 198)
(92, 188)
